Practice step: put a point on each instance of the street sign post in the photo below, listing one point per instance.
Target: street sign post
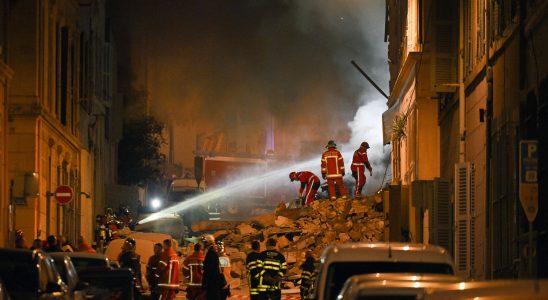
(63, 194)
(528, 188)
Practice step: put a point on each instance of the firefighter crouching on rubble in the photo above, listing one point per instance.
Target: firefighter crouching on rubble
(253, 270)
(360, 162)
(273, 268)
(308, 274)
(169, 272)
(309, 185)
(333, 170)
(193, 270)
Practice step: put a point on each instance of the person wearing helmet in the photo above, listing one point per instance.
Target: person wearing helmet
(128, 258)
(310, 183)
(308, 274)
(273, 268)
(333, 170)
(168, 267)
(359, 163)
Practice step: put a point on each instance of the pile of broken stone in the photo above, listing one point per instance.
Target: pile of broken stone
(297, 230)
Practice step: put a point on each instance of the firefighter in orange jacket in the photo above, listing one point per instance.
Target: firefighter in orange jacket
(333, 170)
(359, 163)
(309, 185)
(193, 270)
(168, 268)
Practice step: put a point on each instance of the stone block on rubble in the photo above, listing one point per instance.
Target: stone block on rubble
(282, 221)
(282, 242)
(245, 229)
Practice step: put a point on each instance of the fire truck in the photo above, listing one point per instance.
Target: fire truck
(235, 177)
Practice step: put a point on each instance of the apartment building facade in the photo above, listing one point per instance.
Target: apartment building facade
(494, 98)
(58, 125)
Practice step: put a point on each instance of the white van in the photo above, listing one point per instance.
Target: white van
(341, 261)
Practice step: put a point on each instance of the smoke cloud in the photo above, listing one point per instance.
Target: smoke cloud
(232, 65)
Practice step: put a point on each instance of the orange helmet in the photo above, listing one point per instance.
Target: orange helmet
(292, 176)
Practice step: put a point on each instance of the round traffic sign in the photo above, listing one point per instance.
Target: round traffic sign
(63, 194)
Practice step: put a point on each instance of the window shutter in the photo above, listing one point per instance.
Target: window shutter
(440, 215)
(444, 44)
(462, 219)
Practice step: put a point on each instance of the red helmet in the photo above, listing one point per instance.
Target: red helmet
(292, 176)
(365, 145)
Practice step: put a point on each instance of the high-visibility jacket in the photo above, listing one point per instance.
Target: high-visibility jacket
(169, 270)
(273, 268)
(308, 275)
(332, 163)
(253, 265)
(307, 178)
(360, 161)
(193, 268)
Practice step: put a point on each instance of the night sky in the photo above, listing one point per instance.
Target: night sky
(232, 64)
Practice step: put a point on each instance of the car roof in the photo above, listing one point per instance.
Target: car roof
(79, 255)
(396, 252)
(19, 253)
(494, 289)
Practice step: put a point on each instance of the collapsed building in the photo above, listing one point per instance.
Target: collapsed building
(298, 230)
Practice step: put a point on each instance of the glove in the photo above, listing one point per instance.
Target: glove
(343, 173)
(355, 175)
(324, 176)
(371, 173)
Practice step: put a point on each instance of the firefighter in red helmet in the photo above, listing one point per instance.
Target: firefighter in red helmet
(309, 185)
(359, 163)
(333, 170)
(168, 268)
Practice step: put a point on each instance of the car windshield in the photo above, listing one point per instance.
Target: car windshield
(339, 272)
(81, 263)
(18, 275)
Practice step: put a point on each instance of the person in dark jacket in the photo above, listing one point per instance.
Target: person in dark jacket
(273, 268)
(252, 262)
(308, 274)
(213, 281)
(53, 245)
(128, 258)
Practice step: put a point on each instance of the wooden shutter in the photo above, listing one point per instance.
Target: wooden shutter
(462, 219)
(440, 215)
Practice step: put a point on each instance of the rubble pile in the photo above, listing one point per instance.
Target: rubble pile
(298, 230)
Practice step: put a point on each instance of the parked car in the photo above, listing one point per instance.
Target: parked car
(401, 285)
(341, 261)
(77, 288)
(31, 274)
(533, 289)
(83, 260)
(104, 281)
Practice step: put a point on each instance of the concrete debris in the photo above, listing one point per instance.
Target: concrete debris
(298, 230)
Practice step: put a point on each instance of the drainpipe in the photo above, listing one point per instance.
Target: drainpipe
(462, 99)
(488, 122)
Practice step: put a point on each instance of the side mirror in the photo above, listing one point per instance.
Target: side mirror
(53, 287)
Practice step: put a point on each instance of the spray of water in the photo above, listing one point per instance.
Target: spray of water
(249, 181)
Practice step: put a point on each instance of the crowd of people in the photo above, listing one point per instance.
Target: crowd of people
(53, 244)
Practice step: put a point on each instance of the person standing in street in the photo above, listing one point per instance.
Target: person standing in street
(253, 270)
(153, 275)
(128, 258)
(168, 267)
(310, 183)
(360, 162)
(333, 170)
(273, 268)
(308, 274)
(213, 280)
(193, 270)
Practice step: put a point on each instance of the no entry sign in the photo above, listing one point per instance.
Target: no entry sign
(63, 194)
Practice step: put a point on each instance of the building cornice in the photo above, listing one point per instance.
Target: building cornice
(405, 77)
